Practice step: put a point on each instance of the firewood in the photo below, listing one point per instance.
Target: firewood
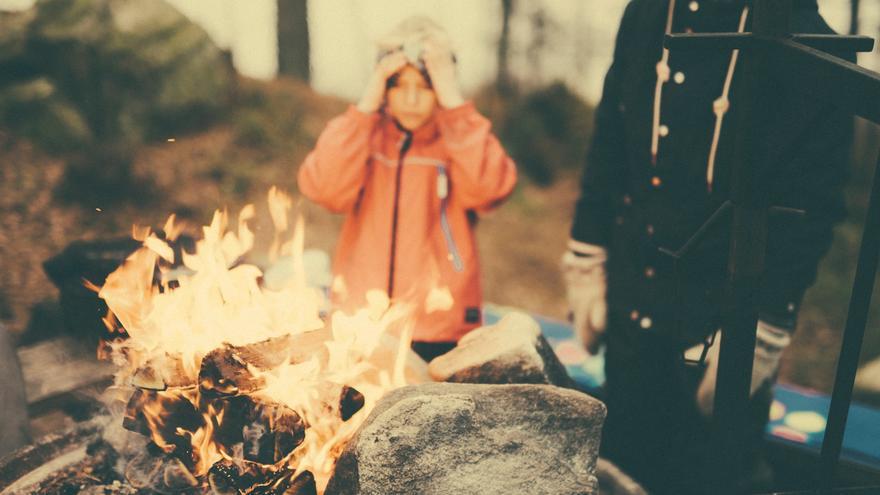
(226, 370)
(303, 484)
(224, 373)
(223, 479)
(176, 419)
(161, 373)
(148, 378)
(133, 418)
(176, 476)
(247, 478)
(276, 483)
(267, 431)
(350, 402)
(158, 471)
(296, 348)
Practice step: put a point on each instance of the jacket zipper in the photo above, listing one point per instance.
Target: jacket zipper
(443, 194)
(405, 143)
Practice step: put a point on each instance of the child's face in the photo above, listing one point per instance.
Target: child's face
(411, 99)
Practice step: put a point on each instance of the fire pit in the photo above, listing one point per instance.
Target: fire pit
(226, 385)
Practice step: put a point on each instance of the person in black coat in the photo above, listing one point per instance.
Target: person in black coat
(658, 167)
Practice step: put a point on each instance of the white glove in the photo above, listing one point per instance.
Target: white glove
(583, 267)
(770, 341)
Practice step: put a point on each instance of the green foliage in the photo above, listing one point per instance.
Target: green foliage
(103, 176)
(51, 120)
(823, 315)
(251, 130)
(116, 71)
(268, 121)
(546, 131)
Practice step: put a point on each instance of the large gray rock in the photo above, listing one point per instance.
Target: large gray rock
(132, 69)
(451, 438)
(510, 351)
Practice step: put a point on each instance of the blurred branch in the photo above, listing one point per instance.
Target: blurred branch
(293, 39)
(854, 17)
(503, 79)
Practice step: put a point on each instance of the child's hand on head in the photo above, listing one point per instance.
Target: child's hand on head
(374, 93)
(441, 67)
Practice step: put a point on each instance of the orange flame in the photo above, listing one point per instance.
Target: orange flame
(211, 298)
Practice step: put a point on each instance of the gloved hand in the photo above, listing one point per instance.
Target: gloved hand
(770, 341)
(583, 267)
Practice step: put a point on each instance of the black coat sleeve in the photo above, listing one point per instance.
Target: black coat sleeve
(809, 174)
(601, 180)
(811, 180)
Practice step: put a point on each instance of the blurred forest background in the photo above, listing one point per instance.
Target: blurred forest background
(116, 112)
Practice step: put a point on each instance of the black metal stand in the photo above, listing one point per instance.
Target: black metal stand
(770, 48)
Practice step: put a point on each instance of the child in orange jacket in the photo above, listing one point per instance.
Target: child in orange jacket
(410, 166)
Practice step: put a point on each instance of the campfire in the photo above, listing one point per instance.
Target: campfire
(239, 385)
(235, 377)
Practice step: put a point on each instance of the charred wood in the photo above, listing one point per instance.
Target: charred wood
(161, 373)
(176, 476)
(148, 378)
(268, 431)
(223, 479)
(159, 472)
(350, 402)
(303, 484)
(228, 370)
(246, 478)
(173, 419)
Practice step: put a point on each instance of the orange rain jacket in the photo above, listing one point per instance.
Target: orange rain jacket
(410, 201)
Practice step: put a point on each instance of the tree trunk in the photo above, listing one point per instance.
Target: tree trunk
(854, 17)
(503, 81)
(293, 39)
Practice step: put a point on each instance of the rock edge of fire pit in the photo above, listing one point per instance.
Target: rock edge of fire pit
(513, 350)
(20, 470)
(457, 438)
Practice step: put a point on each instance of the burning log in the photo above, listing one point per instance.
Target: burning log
(228, 478)
(228, 370)
(350, 402)
(168, 418)
(150, 471)
(171, 411)
(223, 479)
(134, 419)
(304, 484)
(271, 432)
(225, 372)
(148, 378)
(342, 401)
(161, 374)
(176, 476)
(276, 483)
(266, 431)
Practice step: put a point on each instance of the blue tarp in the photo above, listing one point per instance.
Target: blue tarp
(797, 416)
